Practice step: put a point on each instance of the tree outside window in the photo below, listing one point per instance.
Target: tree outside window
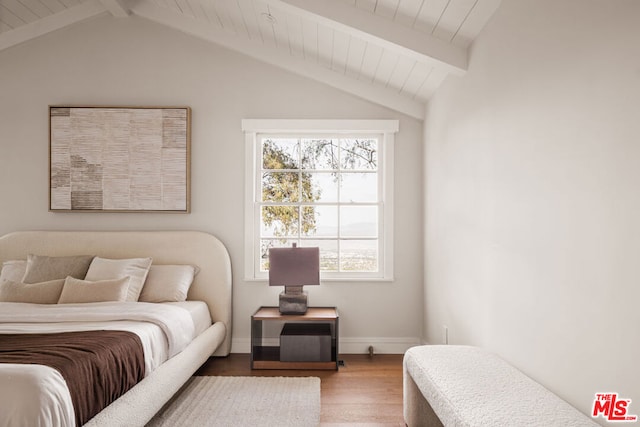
(321, 192)
(321, 183)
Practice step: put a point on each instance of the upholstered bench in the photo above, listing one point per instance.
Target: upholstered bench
(467, 386)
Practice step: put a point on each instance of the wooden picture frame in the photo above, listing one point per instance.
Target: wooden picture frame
(119, 159)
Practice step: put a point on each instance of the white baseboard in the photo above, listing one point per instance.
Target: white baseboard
(381, 345)
(350, 345)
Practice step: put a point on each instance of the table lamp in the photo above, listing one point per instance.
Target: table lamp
(294, 268)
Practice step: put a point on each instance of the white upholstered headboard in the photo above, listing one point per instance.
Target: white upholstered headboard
(212, 284)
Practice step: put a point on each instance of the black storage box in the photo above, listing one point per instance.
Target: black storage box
(305, 342)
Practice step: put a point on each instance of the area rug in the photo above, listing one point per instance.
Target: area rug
(244, 401)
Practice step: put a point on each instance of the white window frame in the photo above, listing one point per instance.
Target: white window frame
(387, 128)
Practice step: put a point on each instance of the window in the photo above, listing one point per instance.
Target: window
(321, 183)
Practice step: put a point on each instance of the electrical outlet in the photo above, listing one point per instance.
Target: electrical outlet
(445, 334)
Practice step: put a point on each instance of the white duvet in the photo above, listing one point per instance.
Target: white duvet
(35, 395)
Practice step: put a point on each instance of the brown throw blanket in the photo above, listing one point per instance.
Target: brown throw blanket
(98, 366)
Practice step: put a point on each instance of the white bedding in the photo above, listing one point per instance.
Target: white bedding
(24, 388)
(198, 311)
(164, 329)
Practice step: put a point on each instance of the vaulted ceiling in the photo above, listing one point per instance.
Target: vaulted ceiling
(391, 52)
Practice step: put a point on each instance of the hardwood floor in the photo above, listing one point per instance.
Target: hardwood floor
(367, 390)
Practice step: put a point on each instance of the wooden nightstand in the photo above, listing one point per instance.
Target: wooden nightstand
(267, 324)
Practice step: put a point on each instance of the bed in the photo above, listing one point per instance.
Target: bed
(211, 284)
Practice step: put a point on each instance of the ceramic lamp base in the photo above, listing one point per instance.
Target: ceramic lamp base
(293, 300)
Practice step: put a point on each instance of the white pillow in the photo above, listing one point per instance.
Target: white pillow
(13, 270)
(167, 283)
(106, 269)
(82, 291)
(35, 293)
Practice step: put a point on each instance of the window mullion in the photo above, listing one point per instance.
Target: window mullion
(299, 207)
(339, 204)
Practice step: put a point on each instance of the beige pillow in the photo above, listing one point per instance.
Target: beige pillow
(36, 293)
(13, 270)
(106, 269)
(167, 283)
(42, 268)
(81, 291)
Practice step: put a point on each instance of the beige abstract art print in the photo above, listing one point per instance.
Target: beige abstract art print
(119, 159)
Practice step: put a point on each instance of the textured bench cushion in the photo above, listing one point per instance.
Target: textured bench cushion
(468, 386)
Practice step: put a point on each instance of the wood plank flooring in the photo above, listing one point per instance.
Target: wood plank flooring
(367, 390)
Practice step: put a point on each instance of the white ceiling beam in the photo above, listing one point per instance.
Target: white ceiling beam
(281, 59)
(381, 31)
(80, 12)
(117, 8)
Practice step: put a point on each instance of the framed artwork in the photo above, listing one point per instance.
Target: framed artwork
(119, 159)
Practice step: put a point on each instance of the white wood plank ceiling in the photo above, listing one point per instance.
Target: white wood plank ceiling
(391, 52)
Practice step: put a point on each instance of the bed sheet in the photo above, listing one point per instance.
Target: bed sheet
(18, 384)
(199, 312)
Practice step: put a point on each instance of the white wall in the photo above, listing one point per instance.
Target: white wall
(130, 61)
(532, 167)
